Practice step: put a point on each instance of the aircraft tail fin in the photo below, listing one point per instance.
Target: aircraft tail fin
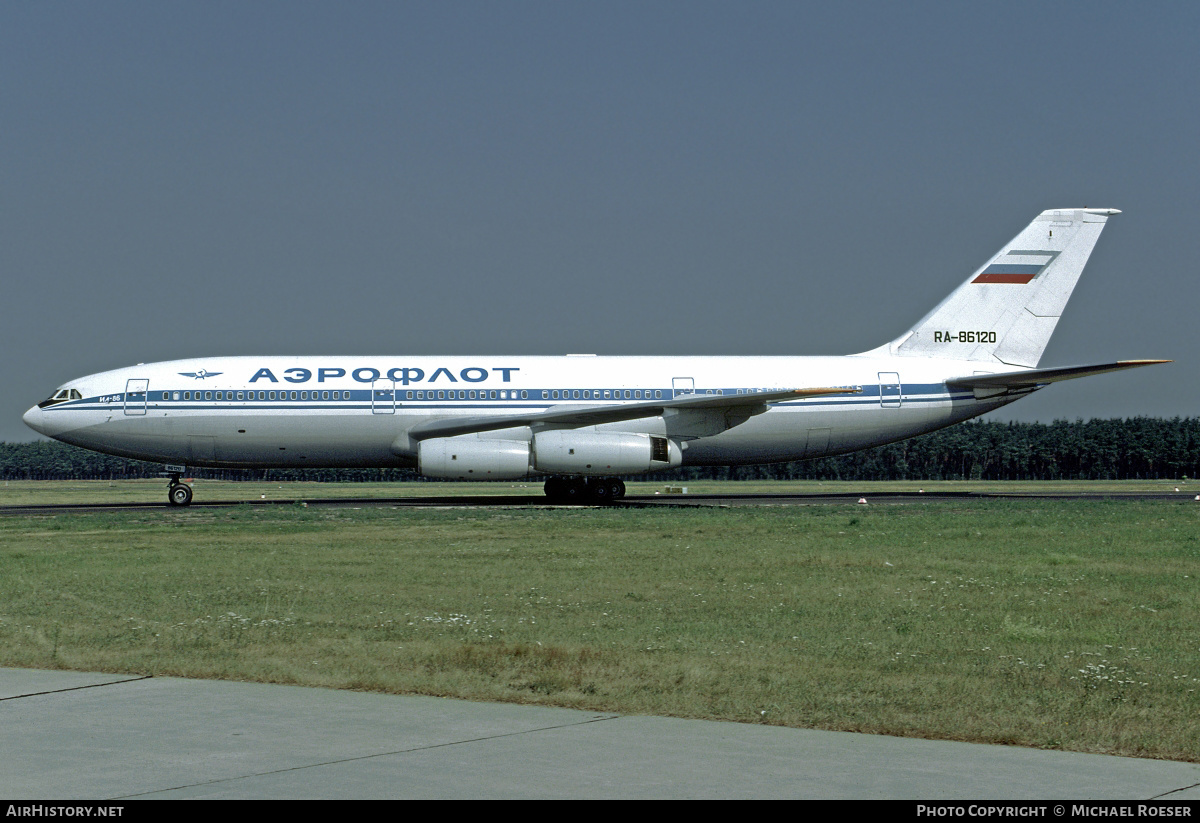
(1006, 311)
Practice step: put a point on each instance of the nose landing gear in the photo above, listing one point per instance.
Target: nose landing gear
(178, 492)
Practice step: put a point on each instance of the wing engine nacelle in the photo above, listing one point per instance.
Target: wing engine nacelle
(454, 458)
(573, 452)
(569, 451)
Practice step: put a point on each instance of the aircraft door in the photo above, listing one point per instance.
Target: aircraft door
(889, 389)
(136, 392)
(683, 385)
(383, 396)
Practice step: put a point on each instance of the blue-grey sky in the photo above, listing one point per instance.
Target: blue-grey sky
(195, 179)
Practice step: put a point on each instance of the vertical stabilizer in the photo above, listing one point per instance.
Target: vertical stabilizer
(1006, 311)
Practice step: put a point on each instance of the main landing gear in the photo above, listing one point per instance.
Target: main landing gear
(178, 492)
(584, 491)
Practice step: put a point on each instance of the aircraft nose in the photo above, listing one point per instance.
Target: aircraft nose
(33, 419)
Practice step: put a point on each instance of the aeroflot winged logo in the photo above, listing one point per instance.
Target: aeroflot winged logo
(200, 375)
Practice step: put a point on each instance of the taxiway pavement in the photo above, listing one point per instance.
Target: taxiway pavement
(91, 736)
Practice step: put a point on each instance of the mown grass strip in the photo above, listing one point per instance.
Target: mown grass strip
(1053, 624)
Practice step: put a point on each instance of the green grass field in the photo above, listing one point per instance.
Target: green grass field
(1054, 624)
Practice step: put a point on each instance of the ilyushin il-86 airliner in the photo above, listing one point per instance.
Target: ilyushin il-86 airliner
(582, 422)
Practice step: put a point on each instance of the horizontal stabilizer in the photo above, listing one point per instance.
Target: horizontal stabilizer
(575, 416)
(1039, 377)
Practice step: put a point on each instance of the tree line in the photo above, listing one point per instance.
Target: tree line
(1132, 448)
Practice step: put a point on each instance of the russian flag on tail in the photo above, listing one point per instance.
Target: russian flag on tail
(1017, 267)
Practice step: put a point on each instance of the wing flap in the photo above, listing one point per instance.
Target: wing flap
(576, 416)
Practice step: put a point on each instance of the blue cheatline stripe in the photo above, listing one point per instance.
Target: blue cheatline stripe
(155, 395)
(362, 401)
(595, 396)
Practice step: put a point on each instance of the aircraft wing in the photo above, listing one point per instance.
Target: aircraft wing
(1039, 377)
(576, 416)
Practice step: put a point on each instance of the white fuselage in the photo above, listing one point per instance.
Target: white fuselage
(355, 411)
(584, 421)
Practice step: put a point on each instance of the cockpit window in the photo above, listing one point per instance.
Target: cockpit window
(61, 396)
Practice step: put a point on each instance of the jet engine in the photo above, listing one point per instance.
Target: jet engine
(569, 451)
(454, 458)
